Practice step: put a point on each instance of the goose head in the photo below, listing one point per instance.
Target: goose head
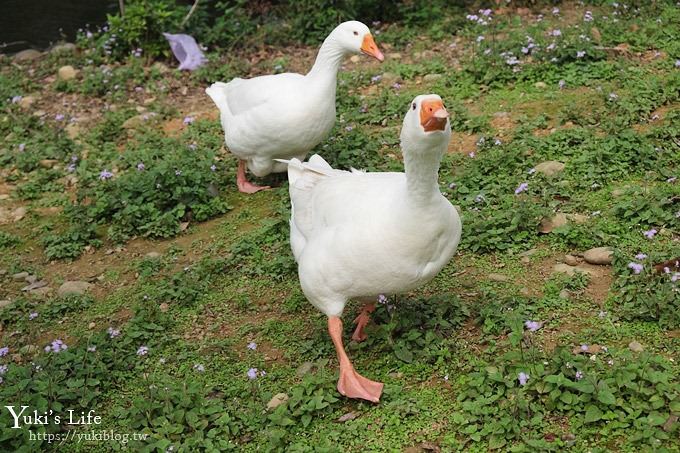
(426, 125)
(355, 37)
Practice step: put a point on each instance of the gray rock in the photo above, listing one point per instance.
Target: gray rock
(635, 346)
(303, 369)
(561, 268)
(27, 55)
(498, 277)
(153, 255)
(389, 78)
(550, 167)
(67, 72)
(599, 255)
(73, 287)
(564, 294)
(41, 292)
(529, 252)
(432, 77)
(31, 279)
(20, 276)
(65, 47)
(277, 400)
(547, 225)
(35, 285)
(570, 260)
(540, 85)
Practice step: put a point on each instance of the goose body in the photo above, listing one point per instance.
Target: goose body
(357, 235)
(282, 116)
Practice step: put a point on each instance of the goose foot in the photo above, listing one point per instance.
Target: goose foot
(353, 385)
(242, 182)
(362, 321)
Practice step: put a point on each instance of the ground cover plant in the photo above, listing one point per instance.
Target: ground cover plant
(136, 281)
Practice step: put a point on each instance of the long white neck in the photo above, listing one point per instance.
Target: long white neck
(327, 62)
(421, 165)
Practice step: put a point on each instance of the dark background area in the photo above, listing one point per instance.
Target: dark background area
(39, 23)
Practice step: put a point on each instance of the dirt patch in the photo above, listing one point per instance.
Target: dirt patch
(462, 143)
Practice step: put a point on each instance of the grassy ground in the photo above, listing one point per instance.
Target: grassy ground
(193, 285)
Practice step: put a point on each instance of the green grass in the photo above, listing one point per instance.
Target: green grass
(450, 353)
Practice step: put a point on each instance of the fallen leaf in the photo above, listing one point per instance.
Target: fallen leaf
(348, 416)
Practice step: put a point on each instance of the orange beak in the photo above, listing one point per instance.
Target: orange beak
(433, 115)
(369, 47)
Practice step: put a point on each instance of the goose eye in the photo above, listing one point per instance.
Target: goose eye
(356, 33)
(413, 105)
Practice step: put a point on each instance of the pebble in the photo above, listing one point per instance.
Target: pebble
(65, 47)
(153, 255)
(91, 325)
(547, 225)
(27, 55)
(599, 255)
(73, 287)
(498, 277)
(48, 163)
(550, 167)
(570, 260)
(26, 102)
(432, 77)
(35, 285)
(20, 276)
(564, 294)
(561, 268)
(303, 369)
(67, 72)
(164, 307)
(41, 292)
(635, 346)
(277, 400)
(31, 279)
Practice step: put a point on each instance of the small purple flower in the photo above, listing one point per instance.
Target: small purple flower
(649, 234)
(59, 117)
(4, 351)
(479, 198)
(675, 277)
(22, 147)
(640, 256)
(533, 326)
(555, 11)
(556, 32)
(193, 146)
(213, 167)
(263, 373)
(613, 96)
(252, 346)
(523, 378)
(497, 142)
(584, 347)
(382, 299)
(91, 348)
(105, 174)
(178, 172)
(452, 185)
(32, 315)
(602, 314)
(3, 369)
(252, 373)
(56, 346)
(610, 362)
(671, 180)
(71, 168)
(137, 52)
(199, 367)
(143, 350)
(480, 38)
(188, 119)
(677, 63)
(396, 85)
(141, 166)
(579, 375)
(485, 12)
(531, 171)
(635, 267)
(580, 53)
(113, 333)
(588, 16)
(16, 99)
(521, 188)
(349, 128)
(139, 89)
(525, 50)
(376, 78)
(471, 154)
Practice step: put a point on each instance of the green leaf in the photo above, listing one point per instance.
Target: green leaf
(593, 414)
(606, 397)
(403, 353)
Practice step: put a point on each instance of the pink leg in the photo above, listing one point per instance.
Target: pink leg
(243, 184)
(362, 321)
(351, 384)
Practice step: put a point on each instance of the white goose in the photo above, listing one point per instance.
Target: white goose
(357, 235)
(286, 115)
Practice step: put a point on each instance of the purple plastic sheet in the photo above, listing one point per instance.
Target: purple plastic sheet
(186, 50)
